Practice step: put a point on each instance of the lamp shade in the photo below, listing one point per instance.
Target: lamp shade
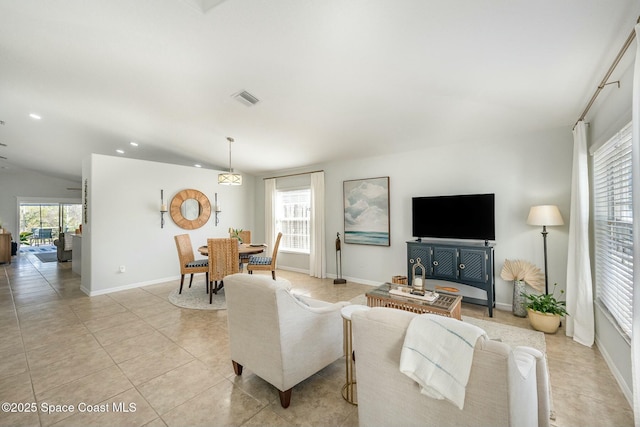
(229, 178)
(545, 215)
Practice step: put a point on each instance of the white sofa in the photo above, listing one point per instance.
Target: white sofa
(506, 387)
(281, 337)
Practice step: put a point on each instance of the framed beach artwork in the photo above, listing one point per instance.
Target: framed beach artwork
(366, 211)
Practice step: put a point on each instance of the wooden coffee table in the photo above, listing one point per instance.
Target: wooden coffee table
(445, 305)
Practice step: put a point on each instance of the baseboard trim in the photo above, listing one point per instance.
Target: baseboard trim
(129, 286)
(628, 394)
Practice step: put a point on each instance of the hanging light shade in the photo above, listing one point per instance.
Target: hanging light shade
(230, 178)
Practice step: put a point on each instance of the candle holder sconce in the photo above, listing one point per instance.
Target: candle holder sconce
(216, 210)
(163, 208)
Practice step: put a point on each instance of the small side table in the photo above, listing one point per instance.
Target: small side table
(349, 388)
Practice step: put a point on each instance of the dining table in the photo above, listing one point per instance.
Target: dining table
(244, 250)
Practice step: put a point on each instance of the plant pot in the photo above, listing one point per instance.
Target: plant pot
(544, 322)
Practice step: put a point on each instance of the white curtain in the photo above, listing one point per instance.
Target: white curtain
(269, 212)
(580, 322)
(635, 338)
(317, 258)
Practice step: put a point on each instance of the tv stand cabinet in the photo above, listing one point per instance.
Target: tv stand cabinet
(466, 263)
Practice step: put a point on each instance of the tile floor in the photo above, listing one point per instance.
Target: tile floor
(163, 365)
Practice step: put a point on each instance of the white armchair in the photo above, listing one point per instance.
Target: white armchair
(283, 338)
(507, 387)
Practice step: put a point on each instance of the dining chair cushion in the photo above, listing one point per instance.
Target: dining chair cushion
(260, 260)
(198, 263)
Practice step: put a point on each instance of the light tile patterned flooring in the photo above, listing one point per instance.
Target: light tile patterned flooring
(60, 347)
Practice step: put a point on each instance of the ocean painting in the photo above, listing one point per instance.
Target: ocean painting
(366, 211)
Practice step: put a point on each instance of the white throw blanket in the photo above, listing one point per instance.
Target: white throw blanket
(437, 353)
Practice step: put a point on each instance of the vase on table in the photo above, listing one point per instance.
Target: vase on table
(518, 305)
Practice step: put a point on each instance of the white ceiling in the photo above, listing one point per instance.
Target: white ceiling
(336, 79)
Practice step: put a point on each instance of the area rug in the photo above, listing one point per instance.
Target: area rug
(37, 249)
(508, 334)
(196, 298)
(512, 335)
(48, 257)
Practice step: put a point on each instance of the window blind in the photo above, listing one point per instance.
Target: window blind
(293, 219)
(613, 222)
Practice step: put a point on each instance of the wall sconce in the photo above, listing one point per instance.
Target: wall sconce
(163, 208)
(216, 209)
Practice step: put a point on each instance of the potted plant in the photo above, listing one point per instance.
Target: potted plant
(24, 237)
(521, 272)
(545, 310)
(235, 233)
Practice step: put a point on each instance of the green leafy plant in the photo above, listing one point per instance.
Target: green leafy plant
(546, 303)
(235, 233)
(24, 237)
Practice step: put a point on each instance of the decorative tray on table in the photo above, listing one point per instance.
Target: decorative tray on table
(405, 291)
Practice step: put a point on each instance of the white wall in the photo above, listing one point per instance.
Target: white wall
(522, 171)
(608, 115)
(124, 220)
(23, 185)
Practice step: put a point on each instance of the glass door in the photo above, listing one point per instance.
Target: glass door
(70, 217)
(40, 223)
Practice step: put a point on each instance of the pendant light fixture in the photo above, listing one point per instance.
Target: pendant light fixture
(230, 178)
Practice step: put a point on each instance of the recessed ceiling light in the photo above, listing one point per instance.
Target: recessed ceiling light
(133, 144)
(198, 166)
(35, 116)
(120, 151)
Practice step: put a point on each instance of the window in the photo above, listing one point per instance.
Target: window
(293, 208)
(613, 221)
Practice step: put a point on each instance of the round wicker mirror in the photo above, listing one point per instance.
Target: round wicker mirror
(186, 197)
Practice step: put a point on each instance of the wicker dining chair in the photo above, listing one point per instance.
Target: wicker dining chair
(223, 260)
(245, 237)
(188, 263)
(265, 263)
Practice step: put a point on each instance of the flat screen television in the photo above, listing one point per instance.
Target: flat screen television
(468, 216)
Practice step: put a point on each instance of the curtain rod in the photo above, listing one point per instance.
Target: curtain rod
(293, 174)
(603, 83)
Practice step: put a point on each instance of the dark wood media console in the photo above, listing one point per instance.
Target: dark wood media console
(465, 263)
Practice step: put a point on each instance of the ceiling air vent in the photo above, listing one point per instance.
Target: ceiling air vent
(246, 98)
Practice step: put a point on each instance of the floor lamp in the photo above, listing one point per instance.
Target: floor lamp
(545, 215)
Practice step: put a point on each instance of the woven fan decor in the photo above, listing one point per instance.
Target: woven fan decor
(525, 271)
